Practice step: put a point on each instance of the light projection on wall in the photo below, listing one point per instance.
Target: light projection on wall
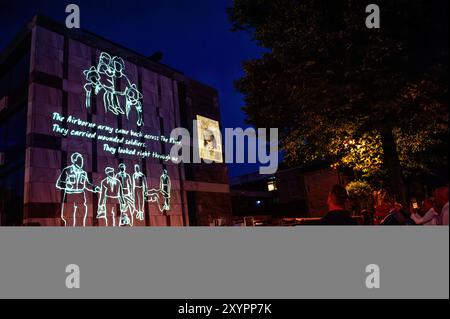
(113, 140)
(103, 78)
(209, 139)
(120, 96)
(111, 196)
(127, 215)
(121, 197)
(165, 186)
(73, 180)
(139, 190)
(161, 196)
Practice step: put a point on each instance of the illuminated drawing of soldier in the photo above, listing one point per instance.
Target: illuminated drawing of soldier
(111, 196)
(127, 187)
(140, 190)
(164, 186)
(74, 181)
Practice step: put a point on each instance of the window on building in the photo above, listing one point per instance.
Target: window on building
(271, 186)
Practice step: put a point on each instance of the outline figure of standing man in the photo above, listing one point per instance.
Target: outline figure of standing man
(165, 185)
(127, 187)
(140, 190)
(74, 181)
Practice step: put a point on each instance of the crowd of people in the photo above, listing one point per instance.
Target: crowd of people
(432, 211)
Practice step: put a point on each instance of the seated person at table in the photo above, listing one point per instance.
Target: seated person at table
(337, 215)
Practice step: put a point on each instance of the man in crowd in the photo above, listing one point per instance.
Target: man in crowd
(441, 200)
(337, 215)
(428, 217)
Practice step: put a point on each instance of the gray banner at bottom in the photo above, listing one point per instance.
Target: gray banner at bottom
(225, 263)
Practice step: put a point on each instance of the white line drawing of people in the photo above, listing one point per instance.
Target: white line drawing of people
(140, 190)
(165, 185)
(104, 76)
(162, 195)
(127, 188)
(111, 197)
(153, 196)
(133, 98)
(113, 69)
(74, 181)
(93, 81)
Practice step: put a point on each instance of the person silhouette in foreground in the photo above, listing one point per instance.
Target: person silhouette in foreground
(427, 215)
(441, 199)
(337, 215)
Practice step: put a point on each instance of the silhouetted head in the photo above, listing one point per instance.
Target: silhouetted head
(367, 217)
(122, 168)
(337, 197)
(426, 205)
(137, 169)
(441, 196)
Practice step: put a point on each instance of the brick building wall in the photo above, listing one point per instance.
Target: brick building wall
(58, 58)
(57, 65)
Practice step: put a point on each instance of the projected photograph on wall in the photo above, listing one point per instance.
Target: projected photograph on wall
(209, 139)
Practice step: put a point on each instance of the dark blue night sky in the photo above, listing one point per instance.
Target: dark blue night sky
(194, 37)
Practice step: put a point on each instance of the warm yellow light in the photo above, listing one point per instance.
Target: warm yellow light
(271, 186)
(209, 139)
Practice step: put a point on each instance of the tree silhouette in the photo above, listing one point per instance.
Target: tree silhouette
(372, 100)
